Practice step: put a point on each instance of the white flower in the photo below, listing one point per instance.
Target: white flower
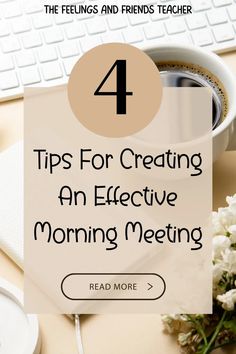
(175, 323)
(218, 227)
(220, 244)
(232, 204)
(218, 271)
(227, 216)
(231, 200)
(229, 261)
(183, 338)
(232, 231)
(228, 300)
(168, 322)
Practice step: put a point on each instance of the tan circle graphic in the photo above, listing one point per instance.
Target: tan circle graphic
(115, 90)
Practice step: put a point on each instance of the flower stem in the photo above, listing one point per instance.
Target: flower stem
(215, 334)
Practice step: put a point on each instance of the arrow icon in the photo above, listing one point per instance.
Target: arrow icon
(150, 286)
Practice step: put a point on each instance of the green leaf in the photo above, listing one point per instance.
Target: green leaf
(231, 325)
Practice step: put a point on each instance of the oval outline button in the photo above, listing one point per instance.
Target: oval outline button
(113, 299)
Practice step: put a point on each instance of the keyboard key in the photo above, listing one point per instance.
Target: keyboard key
(201, 5)
(68, 49)
(223, 33)
(8, 80)
(42, 21)
(133, 35)
(112, 37)
(138, 19)
(53, 35)
(232, 12)
(62, 19)
(4, 29)
(117, 22)
(84, 16)
(181, 3)
(218, 3)
(51, 71)
(96, 26)
(21, 25)
(69, 64)
(158, 17)
(175, 26)
(32, 40)
(216, 17)
(154, 30)
(10, 44)
(89, 43)
(30, 76)
(46, 54)
(11, 10)
(202, 37)
(32, 6)
(75, 31)
(6, 63)
(196, 21)
(25, 58)
(183, 38)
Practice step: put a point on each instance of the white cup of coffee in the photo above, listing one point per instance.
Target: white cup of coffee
(224, 131)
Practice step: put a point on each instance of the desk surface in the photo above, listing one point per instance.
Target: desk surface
(131, 334)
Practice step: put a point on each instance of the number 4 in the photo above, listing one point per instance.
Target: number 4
(121, 92)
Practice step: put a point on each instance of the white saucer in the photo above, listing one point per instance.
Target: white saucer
(19, 332)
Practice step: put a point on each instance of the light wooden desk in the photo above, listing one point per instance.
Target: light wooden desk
(116, 334)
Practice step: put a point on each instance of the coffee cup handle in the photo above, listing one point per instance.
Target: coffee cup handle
(232, 142)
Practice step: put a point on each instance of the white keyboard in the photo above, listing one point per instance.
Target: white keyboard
(40, 50)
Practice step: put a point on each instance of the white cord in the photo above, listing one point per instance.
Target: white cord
(78, 335)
